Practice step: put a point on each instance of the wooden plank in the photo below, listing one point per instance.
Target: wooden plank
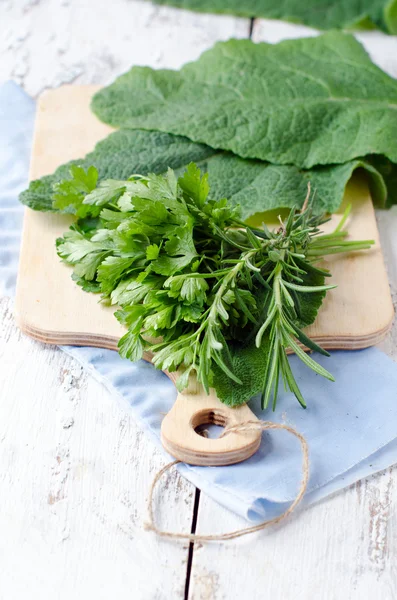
(75, 473)
(47, 44)
(75, 467)
(344, 547)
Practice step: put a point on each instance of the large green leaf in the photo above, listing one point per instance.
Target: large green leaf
(255, 185)
(248, 363)
(306, 102)
(323, 14)
(259, 186)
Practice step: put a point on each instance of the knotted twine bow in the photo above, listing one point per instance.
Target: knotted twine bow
(194, 537)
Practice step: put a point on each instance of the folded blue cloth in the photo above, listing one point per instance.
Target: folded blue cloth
(349, 425)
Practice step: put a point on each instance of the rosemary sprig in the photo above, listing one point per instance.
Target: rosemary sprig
(296, 243)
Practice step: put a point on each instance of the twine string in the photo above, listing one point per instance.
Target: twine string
(196, 537)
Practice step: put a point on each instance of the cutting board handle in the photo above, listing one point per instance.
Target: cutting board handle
(194, 408)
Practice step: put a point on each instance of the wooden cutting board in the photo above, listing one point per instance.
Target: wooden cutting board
(52, 309)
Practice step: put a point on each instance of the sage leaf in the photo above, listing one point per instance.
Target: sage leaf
(255, 185)
(306, 102)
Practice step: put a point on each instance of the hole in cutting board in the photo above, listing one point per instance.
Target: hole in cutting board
(209, 423)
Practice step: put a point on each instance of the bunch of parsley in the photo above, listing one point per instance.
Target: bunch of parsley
(204, 293)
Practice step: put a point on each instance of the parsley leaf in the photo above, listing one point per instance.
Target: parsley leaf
(70, 193)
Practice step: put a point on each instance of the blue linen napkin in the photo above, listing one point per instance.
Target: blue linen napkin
(350, 425)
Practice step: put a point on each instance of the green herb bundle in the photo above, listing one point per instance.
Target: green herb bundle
(196, 287)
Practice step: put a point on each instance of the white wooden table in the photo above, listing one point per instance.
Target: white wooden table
(75, 467)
